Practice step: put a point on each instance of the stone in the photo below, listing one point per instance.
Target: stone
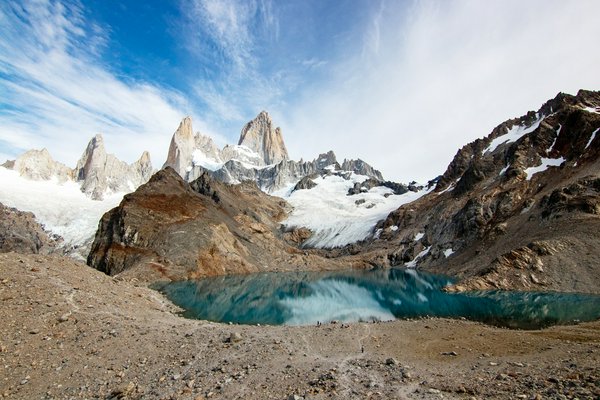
(235, 337)
(64, 317)
(391, 361)
(449, 353)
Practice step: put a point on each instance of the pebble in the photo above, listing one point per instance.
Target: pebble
(64, 317)
(449, 353)
(391, 361)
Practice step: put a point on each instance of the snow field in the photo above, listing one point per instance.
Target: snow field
(60, 207)
(337, 219)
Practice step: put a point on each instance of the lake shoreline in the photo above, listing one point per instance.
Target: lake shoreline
(71, 331)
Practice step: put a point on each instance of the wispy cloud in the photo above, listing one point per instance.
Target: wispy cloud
(230, 38)
(57, 92)
(445, 73)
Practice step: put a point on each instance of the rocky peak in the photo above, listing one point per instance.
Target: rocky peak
(39, 165)
(181, 148)
(360, 167)
(260, 136)
(100, 172)
(92, 158)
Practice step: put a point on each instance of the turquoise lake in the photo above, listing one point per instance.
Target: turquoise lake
(304, 298)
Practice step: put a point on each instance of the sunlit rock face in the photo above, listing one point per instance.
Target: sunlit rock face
(100, 173)
(260, 136)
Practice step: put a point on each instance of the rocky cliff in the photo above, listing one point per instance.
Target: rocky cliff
(181, 148)
(519, 208)
(99, 172)
(172, 229)
(260, 136)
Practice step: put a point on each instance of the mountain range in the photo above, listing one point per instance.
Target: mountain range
(518, 208)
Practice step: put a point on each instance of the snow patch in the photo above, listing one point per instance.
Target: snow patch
(415, 261)
(555, 139)
(448, 252)
(419, 236)
(546, 162)
(503, 170)
(199, 158)
(394, 228)
(592, 110)
(591, 138)
(448, 189)
(515, 133)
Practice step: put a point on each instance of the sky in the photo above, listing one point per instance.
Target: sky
(401, 84)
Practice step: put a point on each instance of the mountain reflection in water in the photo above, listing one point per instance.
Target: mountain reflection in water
(303, 298)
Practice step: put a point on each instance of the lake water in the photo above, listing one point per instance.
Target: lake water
(303, 298)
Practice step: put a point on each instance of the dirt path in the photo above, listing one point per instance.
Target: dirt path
(71, 332)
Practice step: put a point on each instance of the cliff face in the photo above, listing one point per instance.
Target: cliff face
(99, 172)
(181, 148)
(260, 136)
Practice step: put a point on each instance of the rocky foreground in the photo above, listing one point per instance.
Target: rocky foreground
(69, 331)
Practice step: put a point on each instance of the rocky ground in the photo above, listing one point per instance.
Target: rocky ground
(69, 331)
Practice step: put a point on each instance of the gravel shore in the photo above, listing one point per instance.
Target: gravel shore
(69, 331)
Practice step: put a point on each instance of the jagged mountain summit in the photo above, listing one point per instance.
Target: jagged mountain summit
(260, 136)
(260, 156)
(98, 173)
(101, 173)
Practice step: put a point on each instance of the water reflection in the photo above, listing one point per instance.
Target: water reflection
(302, 298)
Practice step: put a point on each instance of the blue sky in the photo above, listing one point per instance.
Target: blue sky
(400, 84)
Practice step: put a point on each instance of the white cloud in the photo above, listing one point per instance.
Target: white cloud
(445, 73)
(59, 94)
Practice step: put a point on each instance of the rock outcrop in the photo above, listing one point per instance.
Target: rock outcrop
(534, 178)
(20, 232)
(181, 148)
(172, 229)
(260, 136)
(100, 173)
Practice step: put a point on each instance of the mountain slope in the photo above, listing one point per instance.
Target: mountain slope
(169, 228)
(517, 209)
